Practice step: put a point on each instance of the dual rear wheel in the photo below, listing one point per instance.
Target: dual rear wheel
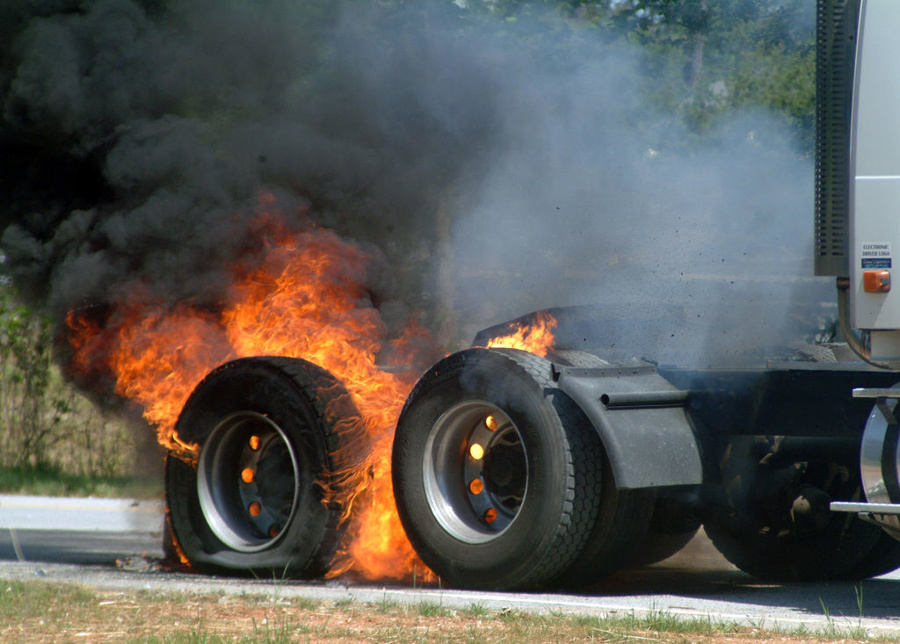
(502, 483)
(500, 480)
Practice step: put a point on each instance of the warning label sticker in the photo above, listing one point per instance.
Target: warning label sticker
(876, 255)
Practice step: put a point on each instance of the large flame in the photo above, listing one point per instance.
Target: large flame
(299, 294)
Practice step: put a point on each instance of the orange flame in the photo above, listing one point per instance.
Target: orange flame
(303, 296)
(536, 338)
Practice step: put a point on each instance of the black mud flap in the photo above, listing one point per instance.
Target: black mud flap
(641, 419)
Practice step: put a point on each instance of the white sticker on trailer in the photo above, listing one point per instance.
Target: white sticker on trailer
(874, 255)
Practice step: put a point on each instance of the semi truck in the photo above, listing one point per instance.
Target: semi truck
(513, 470)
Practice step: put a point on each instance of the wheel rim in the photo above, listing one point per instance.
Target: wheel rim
(880, 459)
(880, 446)
(247, 481)
(475, 471)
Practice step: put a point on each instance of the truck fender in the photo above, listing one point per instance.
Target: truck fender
(641, 419)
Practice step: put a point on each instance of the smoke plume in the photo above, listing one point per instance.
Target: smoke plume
(492, 176)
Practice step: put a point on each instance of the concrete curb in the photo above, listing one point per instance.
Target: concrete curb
(81, 514)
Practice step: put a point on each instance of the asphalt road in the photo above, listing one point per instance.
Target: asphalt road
(116, 545)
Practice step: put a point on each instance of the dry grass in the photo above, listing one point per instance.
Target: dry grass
(45, 423)
(44, 612)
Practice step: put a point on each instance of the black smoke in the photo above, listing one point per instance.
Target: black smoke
(136, 138)
(496, 171)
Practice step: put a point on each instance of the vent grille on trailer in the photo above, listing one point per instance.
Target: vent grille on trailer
(836, 26)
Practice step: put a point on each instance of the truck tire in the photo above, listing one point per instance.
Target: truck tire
(620, 533)
(751, 532)
(647, 540)
(253, 502)
(884, 557)
(495, 471)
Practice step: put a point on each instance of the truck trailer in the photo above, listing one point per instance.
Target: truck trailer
(513, 470)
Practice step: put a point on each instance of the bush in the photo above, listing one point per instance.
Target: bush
(44, 422)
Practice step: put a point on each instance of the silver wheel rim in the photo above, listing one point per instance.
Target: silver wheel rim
(872, 457)
(871, 449)
(247, 481)
(475, 471)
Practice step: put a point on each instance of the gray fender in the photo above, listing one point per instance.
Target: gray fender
(642, 421)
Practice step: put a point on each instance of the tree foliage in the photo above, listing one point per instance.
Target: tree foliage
(703, 59)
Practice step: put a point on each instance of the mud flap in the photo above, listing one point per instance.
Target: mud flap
(642, 421)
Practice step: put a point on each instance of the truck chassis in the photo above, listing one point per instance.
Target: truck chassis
(514, 471)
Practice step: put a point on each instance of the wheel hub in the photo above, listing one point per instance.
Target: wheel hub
(247, 479)
(503, 471)
(475, 471)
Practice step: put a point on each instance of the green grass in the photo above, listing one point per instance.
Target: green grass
(385, 605)
(432, 609)
(305, 603)
(475, 610)
(45, 605)
(45, 611)
(45, 481)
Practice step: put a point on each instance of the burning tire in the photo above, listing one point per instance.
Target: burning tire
(254, 500)
(496, 472)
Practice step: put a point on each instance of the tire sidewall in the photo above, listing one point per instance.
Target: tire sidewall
(744, 539)
(299, 547)
(511, 557)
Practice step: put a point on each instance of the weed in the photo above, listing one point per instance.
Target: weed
(476, 610)
(858, 631)
(278, 629)
(344, 603)
(832, 628)
(386, 605)
(305, 603)
(510, 616)
(432, 609)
